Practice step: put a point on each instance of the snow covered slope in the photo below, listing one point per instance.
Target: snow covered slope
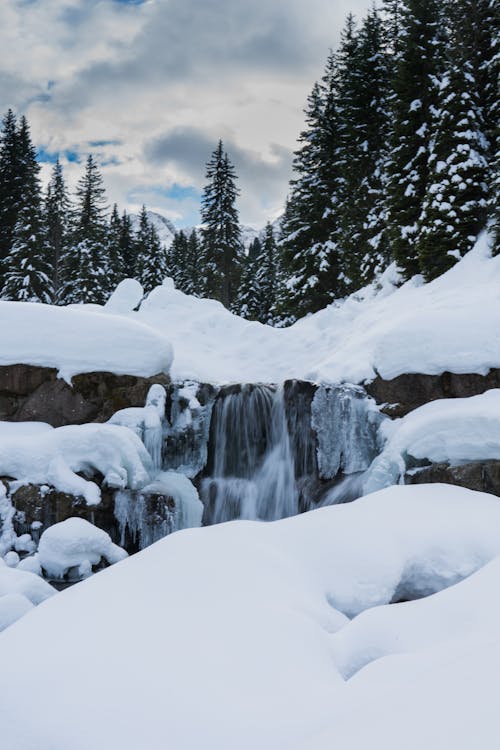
(80, 339)
(237, 636)
(452, 324)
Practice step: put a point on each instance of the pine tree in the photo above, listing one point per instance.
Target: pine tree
(115, 263)
(27, 270)
(221, 236)
(57, 222)
(249, 294)
(84, 269)
(178, 261)
(151, 266)
(267, 276)
(193, 274)
(311, 266)
(127, 246)
(10, 186)
(455, 205)
(417, 68)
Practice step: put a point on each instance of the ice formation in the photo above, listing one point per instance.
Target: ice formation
(148, 422)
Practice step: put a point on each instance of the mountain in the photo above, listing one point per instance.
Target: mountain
(163, 226)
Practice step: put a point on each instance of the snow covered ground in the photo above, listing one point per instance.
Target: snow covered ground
(452, 324)
(239, 636)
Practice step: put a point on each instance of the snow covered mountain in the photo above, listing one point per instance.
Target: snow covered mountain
(163, 226)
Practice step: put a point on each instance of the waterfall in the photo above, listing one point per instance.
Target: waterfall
(251, 465)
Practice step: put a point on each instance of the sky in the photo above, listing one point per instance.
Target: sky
(149, 86)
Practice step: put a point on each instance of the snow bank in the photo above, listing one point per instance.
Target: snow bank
(77, 340)
(75, 543)
(452, 323)
(447, 430)
(12, 607)
(53, 456)
(226, 637)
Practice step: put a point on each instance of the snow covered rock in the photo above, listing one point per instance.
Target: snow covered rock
(77, 340)
(12, 607)
(449, 430)
(75, 543)
(126, 297)
(53, 456)
(15, 581)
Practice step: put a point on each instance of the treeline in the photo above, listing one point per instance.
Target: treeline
(399, 159)
(64, 250)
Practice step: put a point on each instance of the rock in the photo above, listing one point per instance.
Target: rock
(35, 393)
(482, 476)
(408, 392)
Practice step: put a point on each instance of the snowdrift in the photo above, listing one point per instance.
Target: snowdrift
(239, 635)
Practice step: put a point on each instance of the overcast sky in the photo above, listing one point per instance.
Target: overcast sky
(149, 87)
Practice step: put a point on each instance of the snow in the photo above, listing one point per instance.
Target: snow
(45, 455)
(182, 490)
(74, 543)
(15, 581)
(163, 226)
(450, 324)
(239, 635)
(80, 339)
(126, 297)
(12, 607)
(447, 430)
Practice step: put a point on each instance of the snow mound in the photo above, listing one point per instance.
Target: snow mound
(77, 340)
(14, 581)
(126, 297)
(75, 543)
(12, 607)
(451, 324)
(447, 430)
(213, 618)
(53, 456)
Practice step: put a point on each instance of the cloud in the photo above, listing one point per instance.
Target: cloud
(150, 87)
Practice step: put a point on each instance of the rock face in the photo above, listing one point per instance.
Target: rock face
(482, 476)
(408, 392)
(29, 393)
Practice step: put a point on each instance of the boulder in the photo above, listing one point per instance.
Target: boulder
(483, 476)
(29, 393)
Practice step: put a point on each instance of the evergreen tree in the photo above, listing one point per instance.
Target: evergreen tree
(249, 295)
(193, 275)
(311, 266)
(115, 262)
(27, 270)
(151, 266)
(178, 261)
(127, 246)
(267, 276)
(10, 186)
(417, 69)
(84, 270)
(455, 205)
(221, 236)
(57, 222)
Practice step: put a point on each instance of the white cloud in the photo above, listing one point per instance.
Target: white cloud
(143, 75)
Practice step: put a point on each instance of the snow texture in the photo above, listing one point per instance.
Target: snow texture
(249, 623)
(126, 297)
(43, 455)
(80, 339)
(75, 543)
(447, 430)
